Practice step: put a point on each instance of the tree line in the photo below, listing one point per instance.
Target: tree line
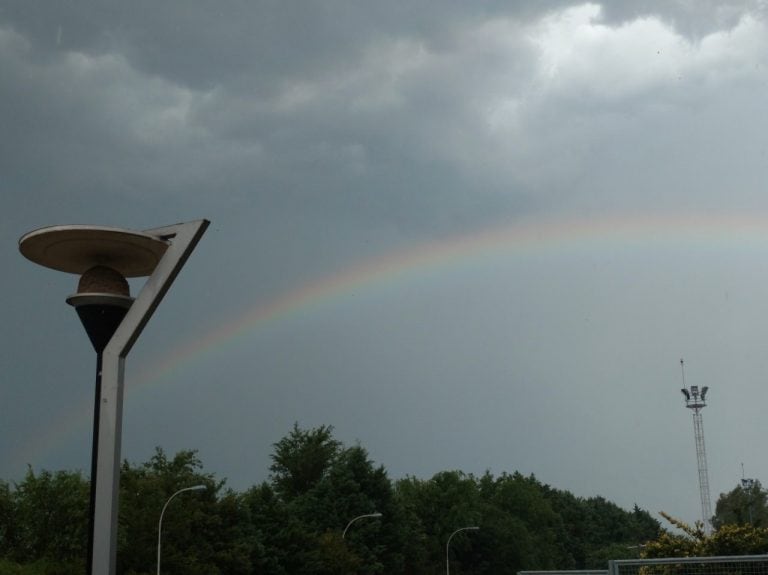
(293, 523)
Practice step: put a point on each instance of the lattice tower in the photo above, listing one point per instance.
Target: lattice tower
(694, 400)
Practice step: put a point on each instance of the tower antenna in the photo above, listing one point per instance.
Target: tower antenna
(695, 401)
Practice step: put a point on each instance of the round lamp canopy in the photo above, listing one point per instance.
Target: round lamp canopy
(76, 249)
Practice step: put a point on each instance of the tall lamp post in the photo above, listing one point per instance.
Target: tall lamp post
(104, 257)
(376, 514)
(448, 543)
(160, 523)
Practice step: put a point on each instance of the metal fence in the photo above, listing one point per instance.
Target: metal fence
(570, 572)
(733, 565)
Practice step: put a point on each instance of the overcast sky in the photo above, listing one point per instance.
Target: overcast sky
(468, 235)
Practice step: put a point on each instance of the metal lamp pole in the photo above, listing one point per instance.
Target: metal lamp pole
(376, 514)
(104, 257)
(160, 523)
(448, 543)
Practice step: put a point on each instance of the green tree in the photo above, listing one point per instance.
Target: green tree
(7, 520)
(504, 543)
(231, 535)
(447, 501)
(523, 498)
(746, 503)
(354, 486)
(301, 459)
(267, 514)
(317, 486)
(411, 525)
(577, 535)
(50, 513)
(202, 533)
(597, 530)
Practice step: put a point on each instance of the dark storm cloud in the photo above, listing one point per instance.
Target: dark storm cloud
(129, 103)
(236, 43)
(232, 91)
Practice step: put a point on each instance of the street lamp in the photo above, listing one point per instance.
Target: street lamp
(160, 523)
(447, 544)
(376, 514)
(104, 257)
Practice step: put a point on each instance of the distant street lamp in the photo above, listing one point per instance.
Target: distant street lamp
(160, 523)
(448, 543)
(377, 514)
(104, 258)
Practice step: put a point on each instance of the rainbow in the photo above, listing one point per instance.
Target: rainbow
(525, 237)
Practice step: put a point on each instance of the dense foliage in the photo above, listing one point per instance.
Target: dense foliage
(293, 523)
(693, 541)
(740, 528)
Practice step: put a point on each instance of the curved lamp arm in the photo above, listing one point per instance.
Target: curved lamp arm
(447, 544)
(377, 514)
(160, 523)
